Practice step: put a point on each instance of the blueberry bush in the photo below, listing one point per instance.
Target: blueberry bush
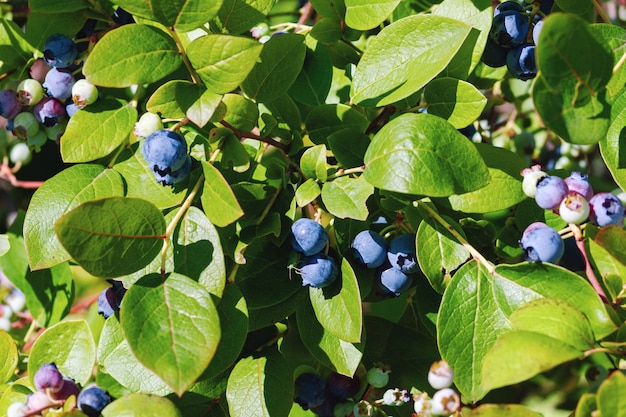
(328, 207)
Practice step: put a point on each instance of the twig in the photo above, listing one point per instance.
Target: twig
(580, 243)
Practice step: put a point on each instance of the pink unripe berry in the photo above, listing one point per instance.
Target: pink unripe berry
(578, 183)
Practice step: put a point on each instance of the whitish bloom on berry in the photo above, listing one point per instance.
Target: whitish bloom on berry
(440, 375)
(17, 409)
(531, 176)
(445, 401)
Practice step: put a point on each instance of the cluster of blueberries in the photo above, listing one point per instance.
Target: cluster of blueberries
(38, 110)
(321, 395)
(53, 389)
(574, 200)
(310, 239)
(395, 262)
(509, 42)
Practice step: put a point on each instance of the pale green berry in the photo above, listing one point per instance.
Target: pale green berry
(25, 125)
(20, 153)
(55, 132)
(148, 124)
(531, 176)
(29, 92)
(440, 375)
(38, 140)
(377, 377)
(574, 208)
(84, 93)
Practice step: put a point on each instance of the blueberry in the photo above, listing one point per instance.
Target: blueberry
(494, 55)
(369, 249)
(574, 208)
(84, 93)
(509, 28)
(25, 125)
(60, 51)
(29, 92)
(9, 104)
(551, 190)
(606, 209)
(92, 400)
(537, 31)
(521, 61)
(327, 408)
(507, 5)
(318, 271)
(541, 243)
(402, 253)
(110, 299)
(175, 177)
(165, 151)
(310, 390)
(392, 281)
(58, 84)
(49, 111)
(342, 387)
(68, 389)
(308, 236)
(578, 183)
(48, 377)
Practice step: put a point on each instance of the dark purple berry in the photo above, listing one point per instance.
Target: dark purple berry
(9, 104)
(110, 299)
(507, 5)
(342, 387)
(606, 209)
(48, 377)
(310, 390)
(60, 51)
(68, 389)
(49, 111)
(92, 400)
(494, 55)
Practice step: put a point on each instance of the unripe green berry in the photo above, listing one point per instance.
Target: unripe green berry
(20, 153)
(440, 375)
(574, 208)
(38, 140)
(531, 176)
(148, 124)
(25, 125)
(377, 377)
(55, 132)
(29, 92)
(84, 93)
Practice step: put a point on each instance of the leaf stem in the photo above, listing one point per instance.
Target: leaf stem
(619, 63)
(601, 12)
(250, 135)
(349, 171)
(194, 75)
(475, 254)
(580, 243)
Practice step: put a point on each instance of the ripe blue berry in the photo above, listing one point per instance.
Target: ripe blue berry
(60, 51)
(578, 183)
(308, 236)
(521, 61)
(342, 387)
(509, 28)
(537, 31)
(92, 400)
(369, 249)
(507, 5)
(58, 84)
(175, 177)
(402, 253)
(541, 243)
(318, 271)
(392, 281)
(9, 104)
(310, 390)
(49, 111)
(165, 151)
(110, 299)
(48, 377)
(606, 209)
(551, 190)
(494, 55)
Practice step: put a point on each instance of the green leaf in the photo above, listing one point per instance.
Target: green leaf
(586, 405)
(143, 54)
(404, 57)
(343, 356)
(605, 264)
(615, 37)
(327, 119)
(241, 112)
(498, 410)
(49, 293)
(546, 333)
(238, 16)
(184, 15)
(338, 307)
(218, 201)
(176, 312)
(307, 192)
(97, 130)
(15, 50)
(140, 181)
(280, 63)
(9, 357)
(58, 195)
(233, 312)
(459, 102)
(330, 8)
(612, 145)
(476, 307)
(70, 346)
(613, 239)
(117, 360)
(478, 14)
(348, 146)
(45, 6)
(113, 236)
(439, 254)
(503, 191)
(367, 14)
(141, 405)
(313, 83)
(40, 26)
(347, 197)
(327, 30)
(260, 386)
(610, 397)
(313, 162)
(223, 61)
(424, 154)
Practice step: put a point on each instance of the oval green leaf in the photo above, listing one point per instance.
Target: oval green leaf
(367, 14)
(218, 200)
(9, 357)
(424, 154)
(177, 313)
(113, 236)
(346, 197)
(184, 15)
(613, 144)
(141, 405)
(459, 102)
(324, 120)
(143, 54)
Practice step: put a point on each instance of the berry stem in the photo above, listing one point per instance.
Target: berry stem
(580, 243)
(475, 254)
